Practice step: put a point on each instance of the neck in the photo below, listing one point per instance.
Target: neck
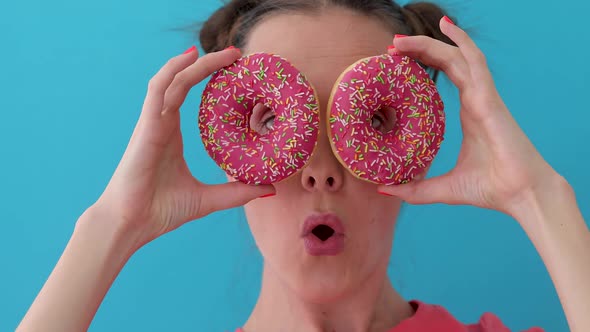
(375, 306)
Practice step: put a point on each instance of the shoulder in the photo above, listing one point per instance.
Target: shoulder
(431, 317)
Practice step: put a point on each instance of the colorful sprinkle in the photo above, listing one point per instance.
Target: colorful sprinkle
(396, 156)
(224, 115)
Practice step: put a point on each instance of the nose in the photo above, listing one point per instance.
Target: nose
(323, 172)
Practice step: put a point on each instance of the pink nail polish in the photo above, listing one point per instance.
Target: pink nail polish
(268, 195)
(400, 36)
(446, 18)
(386, 194)
(191, 49)
(392, 50)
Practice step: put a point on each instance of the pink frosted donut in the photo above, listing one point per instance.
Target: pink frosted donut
(398, 155)
(226, 108)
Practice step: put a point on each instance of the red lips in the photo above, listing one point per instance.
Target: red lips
(321, 242)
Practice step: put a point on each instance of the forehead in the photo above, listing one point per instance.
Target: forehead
(320, 44)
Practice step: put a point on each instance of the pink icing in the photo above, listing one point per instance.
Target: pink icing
(396, 156)
(224, 119)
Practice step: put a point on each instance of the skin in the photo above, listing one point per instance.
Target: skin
(498, 168)
(350, 291)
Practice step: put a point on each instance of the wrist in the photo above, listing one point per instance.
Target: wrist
(544, 203)
(98, 223)
(553, 222)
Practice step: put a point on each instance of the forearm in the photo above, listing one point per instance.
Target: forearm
(555, 225)
(91, 261)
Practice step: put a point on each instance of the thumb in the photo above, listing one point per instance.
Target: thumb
(418, 191)
(229, 195)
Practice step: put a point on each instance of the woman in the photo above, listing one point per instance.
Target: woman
(333, 288)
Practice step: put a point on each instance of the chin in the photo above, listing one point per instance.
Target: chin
(323, 283)
(320, 292)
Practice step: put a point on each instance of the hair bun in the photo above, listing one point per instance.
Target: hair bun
(217, 32)
(423, 19)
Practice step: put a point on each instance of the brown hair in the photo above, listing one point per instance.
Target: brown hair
(231, 24)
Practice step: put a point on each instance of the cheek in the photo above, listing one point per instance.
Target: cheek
(387, 211)
(383, 233)
(269, 225)
(275, 220)
(259, 215)
(381, 224)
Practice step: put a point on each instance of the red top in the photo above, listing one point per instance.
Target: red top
(428, 318)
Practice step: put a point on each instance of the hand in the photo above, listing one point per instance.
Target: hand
(152, 190)
(497, 164)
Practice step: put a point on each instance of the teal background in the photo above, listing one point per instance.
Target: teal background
(72, 81)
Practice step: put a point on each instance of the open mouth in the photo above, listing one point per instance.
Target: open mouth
(323, 235)
(323, 232)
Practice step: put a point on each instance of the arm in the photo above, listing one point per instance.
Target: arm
(499, 168)
(91, 261)
(142, 201)
(552, 220)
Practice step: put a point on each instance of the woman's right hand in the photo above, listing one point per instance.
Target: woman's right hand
(152, 191)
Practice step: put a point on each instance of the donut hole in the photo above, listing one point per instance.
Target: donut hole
(384, 119)
(262, 119)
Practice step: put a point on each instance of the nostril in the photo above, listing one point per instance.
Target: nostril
(330, 181)
(311, 181)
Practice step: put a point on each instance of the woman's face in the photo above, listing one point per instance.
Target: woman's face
(322, 46)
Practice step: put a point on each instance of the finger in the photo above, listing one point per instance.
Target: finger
(154, 100)
(158, 84)
(392, 51)
(192, 75)
(474, 57)
(429, 191)
(230, 195)
(436, 54)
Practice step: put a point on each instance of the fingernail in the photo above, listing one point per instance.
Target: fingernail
(234, 48)
(400, 36)
(384, 193)
(268, 195)
(446, 18)
(191, 49)
(391, 50)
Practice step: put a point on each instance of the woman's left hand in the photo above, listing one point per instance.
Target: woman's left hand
(498, 167)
